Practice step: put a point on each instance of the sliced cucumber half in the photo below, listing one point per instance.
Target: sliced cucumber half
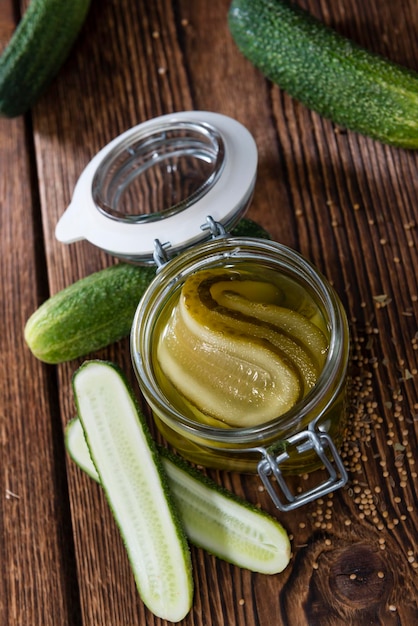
(214, 518)
(130, 471)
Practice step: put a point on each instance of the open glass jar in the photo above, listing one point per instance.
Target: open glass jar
(302, 439)
(188, 238)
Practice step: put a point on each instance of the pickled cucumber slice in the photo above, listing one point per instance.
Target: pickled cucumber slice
(290, 323)
(229, 350)
(214, 519)
(225, 376)
(285, 331)
(130, 471)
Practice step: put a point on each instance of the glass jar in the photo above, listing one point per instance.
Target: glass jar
(305, 437)
(167, 192)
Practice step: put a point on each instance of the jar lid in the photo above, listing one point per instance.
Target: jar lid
(159, 182)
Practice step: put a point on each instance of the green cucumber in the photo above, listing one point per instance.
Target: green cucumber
(87, 315)
(97, 310)
(249, 228)
(131, 474)
(327, 72)
(214, 518)
(36, 51)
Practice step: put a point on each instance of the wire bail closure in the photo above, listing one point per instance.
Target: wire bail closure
(160, 255)
(217, 229)
(306, 440)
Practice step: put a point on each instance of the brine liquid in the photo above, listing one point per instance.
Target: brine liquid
(239, 347)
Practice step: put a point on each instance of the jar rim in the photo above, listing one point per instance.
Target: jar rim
(219, 251)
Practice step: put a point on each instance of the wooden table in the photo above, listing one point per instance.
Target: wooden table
(346, 202)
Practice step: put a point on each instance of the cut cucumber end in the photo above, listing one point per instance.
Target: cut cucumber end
(224, 524)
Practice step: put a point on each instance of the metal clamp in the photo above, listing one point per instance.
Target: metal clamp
(324, 447)
(217, 229)
(160, 255)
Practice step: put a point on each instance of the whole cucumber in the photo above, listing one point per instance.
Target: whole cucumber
(36, 51)
(328, 73)
(89, 314)
(96, 310)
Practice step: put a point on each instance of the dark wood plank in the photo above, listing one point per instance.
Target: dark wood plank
(37, 577)
(347, 203)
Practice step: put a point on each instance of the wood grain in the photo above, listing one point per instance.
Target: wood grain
(346, 202)
(37, 558)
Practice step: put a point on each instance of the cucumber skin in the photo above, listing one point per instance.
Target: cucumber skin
(249, 228)
(327, 72)
(88, 315)
(36, 51)
(96, 311)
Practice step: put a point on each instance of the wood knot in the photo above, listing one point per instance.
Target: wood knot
(358, 577)
(335, 583)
